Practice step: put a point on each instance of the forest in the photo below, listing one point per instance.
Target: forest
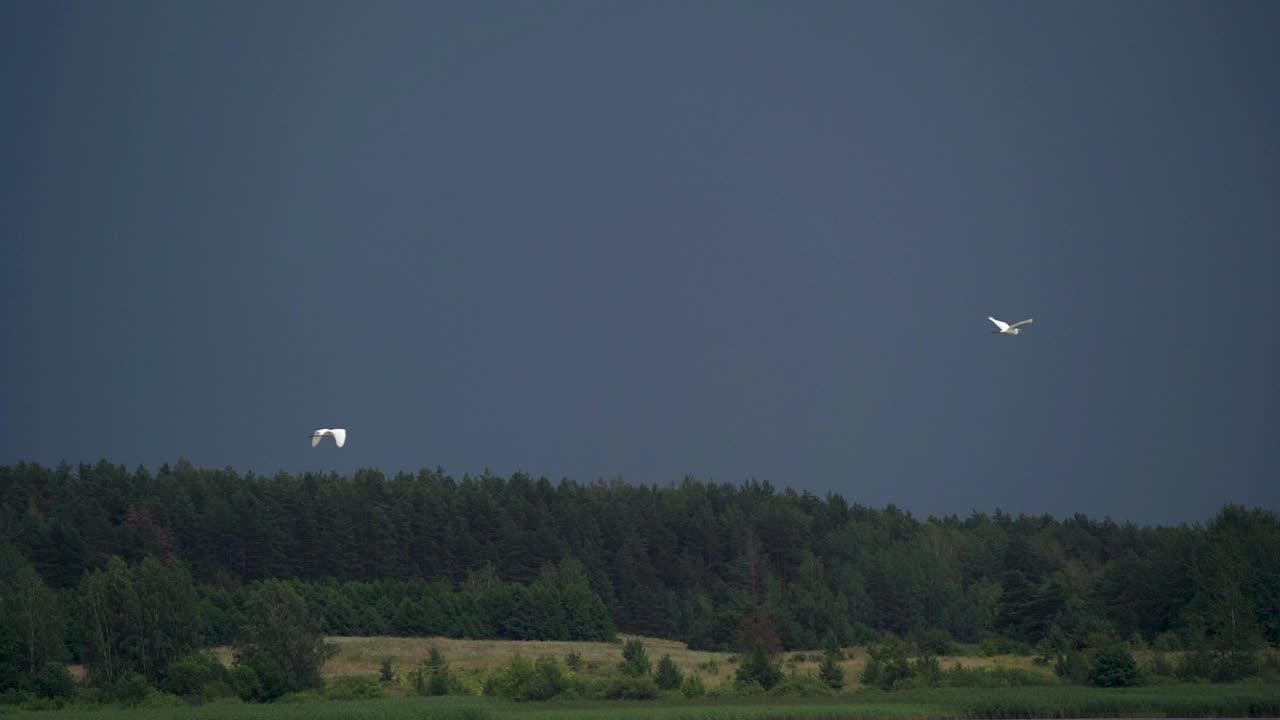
(128, 571)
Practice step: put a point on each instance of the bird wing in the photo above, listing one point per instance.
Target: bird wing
(999, 323)
(1022, 322)
(315, 439)
(339, 436)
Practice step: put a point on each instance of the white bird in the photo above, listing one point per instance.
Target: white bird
(339, 436)
(1006, 328)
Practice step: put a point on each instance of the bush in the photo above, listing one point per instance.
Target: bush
(246, 683)
(353, 688)
(508, 680)
(759, 669)
(1113, 666)
(631, 687)
(189, 676)
(925, 672)
(668, 676)
(692, 687)
(573, 660)
(796, 684)
(935, 641)
(888, 665)
(1195, 665)
(1000, 645)
(1159, 666)
(1235, 665)
(53, 680)
(387, 672)
(129, 690)
(981, 677)
(431, 676)
(546, 682)
(1167, 641)
(1073, 667)
(830, 671)
(635, 660)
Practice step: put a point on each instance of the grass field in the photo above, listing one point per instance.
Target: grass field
(1244, 700)
(364, 655)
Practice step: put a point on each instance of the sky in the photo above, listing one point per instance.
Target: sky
(649, 240)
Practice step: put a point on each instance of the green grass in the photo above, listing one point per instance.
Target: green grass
(1183, 700)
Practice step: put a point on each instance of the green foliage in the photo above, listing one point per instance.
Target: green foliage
(1113, 666)
(758, 669)
(985, 677)
(432, 675)
(573, 660)
(631, 687)
(386, 671)
(353, 687)
(635, 659)
(719, 565)
(1072, 666)
(830, 671)
(934, 641)
(137, 619)
(130, 689)
(667, 676)
(198, 676)
(246, 683)
(509, 680)
(53, 680)
(279, 642)
(548, 680)
(800, 685)
(888, 664)
(692, 686)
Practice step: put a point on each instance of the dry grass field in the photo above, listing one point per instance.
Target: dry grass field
(364, 656)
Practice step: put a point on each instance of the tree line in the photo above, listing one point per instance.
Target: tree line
(703, 562)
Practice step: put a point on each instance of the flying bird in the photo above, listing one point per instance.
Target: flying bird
(1006, 328)
(339, 436)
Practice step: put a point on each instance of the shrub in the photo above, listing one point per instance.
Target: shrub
(925, 672)
(1073, 667)
(387, 672)
(982, 677)
(830, 671)
(668, 676)
(1167, 641)
(631, 687)
(935, 641)
(129, 690)
(806, 685)
(1113, 666)
(53, 680)
(1235, 665)
(573, 660)
(692, 687)
(546, 682)
(507, 680)
(1158, 665)
(353, 688)
(635, 660)
(758, 668)
(245, 681)
(431, 676)
(189, 676)
(1195, 665)
(887, 666)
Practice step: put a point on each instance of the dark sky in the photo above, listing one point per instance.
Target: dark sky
(649, 239)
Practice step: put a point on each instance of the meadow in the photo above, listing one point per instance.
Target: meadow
(364, 656)
(1183, 700)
